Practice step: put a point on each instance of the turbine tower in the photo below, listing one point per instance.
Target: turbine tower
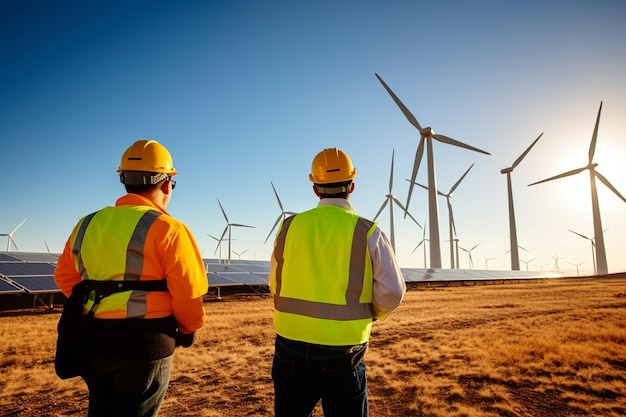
(391, 199)
(228, 228)
(10, 236)
(451, 224)
(512, 228)
(602, 265)
(426, 137)
(282, 216)
(593, 249)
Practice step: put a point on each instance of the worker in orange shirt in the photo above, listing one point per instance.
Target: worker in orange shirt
(134, 333)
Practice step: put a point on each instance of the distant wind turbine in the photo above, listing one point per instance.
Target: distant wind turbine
(527, 262)
(593, 249)
(602, 266)
(451, 224)
(391, 199)
(239, 254)
(228, 228)
(556, 262)
(283, 214)
(10, 236)
(218, 247)
(423, 241)
(512, 228)
(469, 253)
(577, 265)
(487, 261)
(426, 137)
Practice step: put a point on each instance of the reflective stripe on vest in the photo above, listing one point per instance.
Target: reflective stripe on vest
(136, 305)
(353, 309)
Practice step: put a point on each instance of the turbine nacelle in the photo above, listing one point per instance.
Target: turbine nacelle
(427, 132)
(506, 170)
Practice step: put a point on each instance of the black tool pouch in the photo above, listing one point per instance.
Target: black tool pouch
(73, 354)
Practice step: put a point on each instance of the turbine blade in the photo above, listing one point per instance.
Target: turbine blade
(460, 179)
(406, 111)
(241, 225)
(273, 227)
(418, 158)
(565, 174)
(223, 212)
(14, 244)
(17, 227)
(609, 185)
(576, 233)
(391, 174)
(592, 146)
(519, 159)
(451, 217)
(408, 214)
(381, 209)
(418, 184)
(277, 198)
(450, 141)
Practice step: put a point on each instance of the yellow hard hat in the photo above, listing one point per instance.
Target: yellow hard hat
(330, 166)
(146, 162)
(147, 156)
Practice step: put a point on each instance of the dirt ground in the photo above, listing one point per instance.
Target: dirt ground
(431, 358)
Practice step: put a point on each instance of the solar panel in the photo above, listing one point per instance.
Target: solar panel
(6, 257)
(216, 280)
(37, 284)
(245, 278)
(12, 269)
(36, 256)
(8, 288)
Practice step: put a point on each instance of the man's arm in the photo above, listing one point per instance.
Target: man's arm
(389, 285)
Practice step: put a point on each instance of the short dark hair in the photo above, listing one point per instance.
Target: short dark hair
(334, 190)
(140, 188)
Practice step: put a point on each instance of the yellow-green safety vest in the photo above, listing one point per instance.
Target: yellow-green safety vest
(123, 228)
(322, 282)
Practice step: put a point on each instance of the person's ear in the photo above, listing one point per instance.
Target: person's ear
(351, 188)
(317, 193)
(165, 187)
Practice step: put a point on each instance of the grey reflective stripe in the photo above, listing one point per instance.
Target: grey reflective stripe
(78, 242)
(279, 251)
(353, 309)
(134, 251)
(134, 263)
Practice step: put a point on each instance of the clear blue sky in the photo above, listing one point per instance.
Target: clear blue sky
(245, 93)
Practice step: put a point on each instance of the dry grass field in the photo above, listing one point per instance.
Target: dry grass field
(541, 348)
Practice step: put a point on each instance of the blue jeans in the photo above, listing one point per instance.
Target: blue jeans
(305, 373)
(127, 387)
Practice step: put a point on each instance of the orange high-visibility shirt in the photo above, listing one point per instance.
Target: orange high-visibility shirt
(117, 243)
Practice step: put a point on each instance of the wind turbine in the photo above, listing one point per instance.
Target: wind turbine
(602, 266)
(469, 253)
(391, 199)
(228, 228)
(487, 261)
(451, 224)
(218, 247)
(593, 248)
(10, 236)
(512, 228)
(527, 262)
(283, 214)
(577, 265)
(556, 262)
(239, 254)
(426, 137)
(423, 241)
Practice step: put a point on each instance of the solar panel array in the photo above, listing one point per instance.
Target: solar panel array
(27, 272)
(31, 272)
